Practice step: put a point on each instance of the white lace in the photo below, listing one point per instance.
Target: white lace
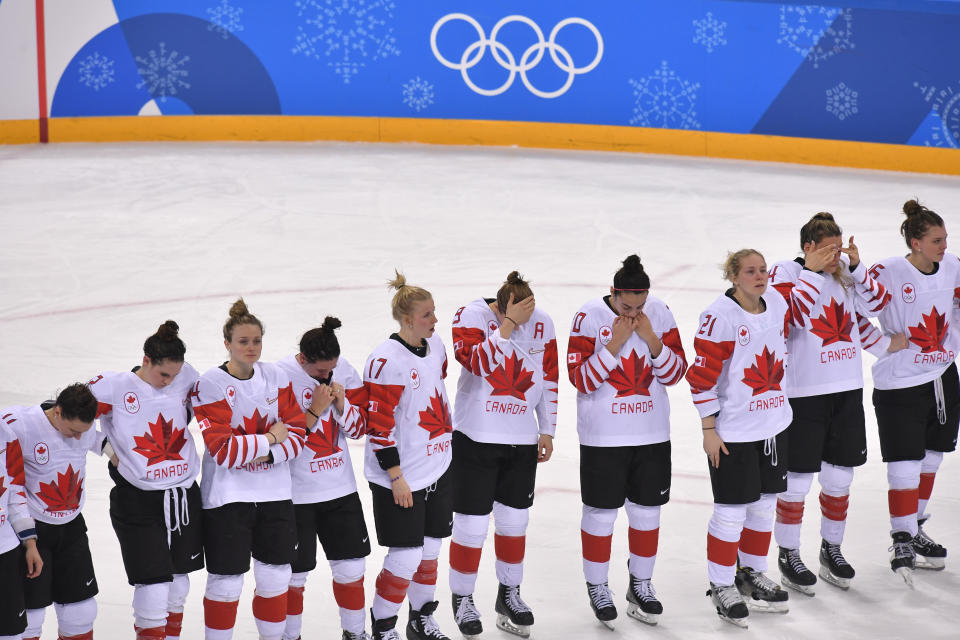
(796, 562)
(430, 627)
(770, 449)
(902, 549)
(363, 635)
(833, 550)
(466, 610)
(924, 539)
(760, 581)
(941, 403)
(728, 596)
(514, 602)
(600, 595)
(179, 514)
(645, 590)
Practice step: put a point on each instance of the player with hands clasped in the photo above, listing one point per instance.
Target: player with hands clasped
(505, 417)
(325, 498)
(827, 435)
(251, 424)
(737, 385)
(624, 351)
(407, 457)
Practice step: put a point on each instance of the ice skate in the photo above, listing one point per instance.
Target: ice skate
(384, 629)
(834, 568)
(601, 601)
(349, 635)
(466, 616)
(513, 614)
(795, 574)
(422, 626)
(760, 592)
(643, 604)
(903, 560)
(929, 554)
(729, 604)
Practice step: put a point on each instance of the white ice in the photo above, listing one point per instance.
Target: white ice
(101, 243)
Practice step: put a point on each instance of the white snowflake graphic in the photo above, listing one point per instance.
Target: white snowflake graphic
(946, 107)
(225, 19)
(709, 32)
(418, 94)
(346, 33)
(817, 33)
(664, 100)
(162, 73)
(96, 71)
(842, 101)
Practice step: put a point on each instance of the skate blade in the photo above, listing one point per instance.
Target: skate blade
(635, 612)
(806, 590)
(907, 575)
(504, 624)
(827, 575)
(737, 622)
(930, 564)
(763, 606)
(608, 624)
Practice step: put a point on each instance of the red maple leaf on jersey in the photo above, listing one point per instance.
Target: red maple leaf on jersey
(41, 450)
(436, 419)
(632, 377)
(253, 425)
(929, 334)
(161, 442)
(64, 494)
(833, 325)
(510, 379)
(766, 374)
(323, 440)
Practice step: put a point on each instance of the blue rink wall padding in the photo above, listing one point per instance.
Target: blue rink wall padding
(885, 71)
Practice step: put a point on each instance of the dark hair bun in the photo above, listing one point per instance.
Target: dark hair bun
(912, 208)
(239, 309)
(168, 330)
(632, 264)
(330, 324)
(515, 278)
(823, 215)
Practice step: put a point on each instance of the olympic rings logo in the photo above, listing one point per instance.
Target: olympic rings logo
(531, 57)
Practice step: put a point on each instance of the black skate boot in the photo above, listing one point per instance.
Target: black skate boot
(349, 635)
(466, 615)
(903, 560)
(795, 574)
(834, 568)
(422, 626)
(929, 554)
(729, 604)
(760, 592)
(513, 614)
(601, 601)
(644, 605)
(384, 629)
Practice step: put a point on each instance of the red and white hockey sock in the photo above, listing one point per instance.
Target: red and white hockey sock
(394, 580)
(835, 484)
(154, 633)
(423, 586)
(757, 530)
(270, 598)
(723, 539)
(150, 609)
(510, 540)
(903, 496)
(176, 598)
(75, 620)
(220, 601)
(348, 592)
(596, 536)
(644, 536)
(88, 635)
(466, 547)
(928, 473)
(786, 529)
(294, 621)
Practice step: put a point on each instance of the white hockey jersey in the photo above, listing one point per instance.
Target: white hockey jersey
(234, 415)
(14, 513)
(825, 342)
(922, 307)
(323, 471)
(407, 408)
(622, 400)
(739, 367)
(147, 427)
(503, 383)
(55, 466)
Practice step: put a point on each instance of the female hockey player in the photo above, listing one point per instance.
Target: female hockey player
(155, 503)
(504, 419)
(824, 384)
(407, 456)
(325, 498)
(251, 424)
(916, 393)
(736, 381)
(624, 351)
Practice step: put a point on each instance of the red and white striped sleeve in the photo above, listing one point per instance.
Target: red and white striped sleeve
(478, 354)
(713, 346)
(353, 420)
(20, 518)
(872, 295)
(214, 415)
(670, 366)
(291, 414)
(587, 368)
(547, 411)
(382, 402)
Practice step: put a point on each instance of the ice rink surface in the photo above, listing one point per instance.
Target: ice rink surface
(102, 243)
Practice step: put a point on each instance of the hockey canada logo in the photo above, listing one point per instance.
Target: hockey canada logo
(306, 397)
(41, 453)
(64, 493)
(161, 442)
(930, 333)
(743, 335)
(833, 325)
(766, 374)
(231, 394)
(510, 379)
(131, 402)
(606, 334)
(414, 378)
(632, 377)
(436, 418)
(493, 326)
(908, 292)
(323, 439)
